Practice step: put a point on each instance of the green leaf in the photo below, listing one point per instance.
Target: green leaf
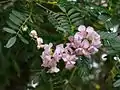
(117, 83)
(18, 14)
(12, 25)
(9, 30)
(63, 21)
(23, 39)
(11, 42)
(62, 8)
(65, 24)
(107, 35)
(68, 87)
(16, 67)
(15, 20)
(60, 18)
(83, 68)
(61, 29)
(71, 11)
(75, 15)
(75, 20)
(103, 18)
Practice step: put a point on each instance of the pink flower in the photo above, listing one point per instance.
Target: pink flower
(86, 41)
(33, 34)
(47, 49)
(71, 38)
(82, 32)
(48, 61)
(68, 49)
(85, 44)
(92, 49)
(47, 57)
(50, 58)
(39, 43)
(81, 28)
(53, 70)
(58, 52)
(79, 51)
(69, 60)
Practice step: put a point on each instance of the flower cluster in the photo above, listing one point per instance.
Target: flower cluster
(85, 42)
(50, 58)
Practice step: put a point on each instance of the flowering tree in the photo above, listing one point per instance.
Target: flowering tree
(59, 45)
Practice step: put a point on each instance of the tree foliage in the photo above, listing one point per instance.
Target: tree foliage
(55, 20)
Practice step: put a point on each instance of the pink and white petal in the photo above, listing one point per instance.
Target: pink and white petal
(53, 70)
(86, 53)
(65, 57)
(90, 30)
(72, 62)
(69, 66)
(78, 51)
(71, 38)
(96, 43)
(73, 58)
(78, 36)
(85, 43)
(81, 28)
(92, 49)
(47, 48)
(68, 49)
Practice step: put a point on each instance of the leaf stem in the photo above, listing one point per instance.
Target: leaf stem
(72, 75)
(51, 85)
(24, 22)
(44, 7)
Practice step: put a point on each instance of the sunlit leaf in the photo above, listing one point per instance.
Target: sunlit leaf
(11, 42)
(9, 30)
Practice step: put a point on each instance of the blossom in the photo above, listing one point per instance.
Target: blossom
(86, 41)
(58, 52)
(47, 49)
(39, 43)
(33, 34)
(53, 70)
(85, 44)
(69, 60)
(48, 60)
(39, 40)
(51, 58)
(68, 49)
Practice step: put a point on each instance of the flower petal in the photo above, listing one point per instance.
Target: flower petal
(92, 49)
(81, 28)
(85, 43)
(53, 70)
(69, 66)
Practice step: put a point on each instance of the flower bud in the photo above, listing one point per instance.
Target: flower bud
(39, 43)
(33, 34)
(25, 28)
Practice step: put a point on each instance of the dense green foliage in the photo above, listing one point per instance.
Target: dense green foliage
(55, 20)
